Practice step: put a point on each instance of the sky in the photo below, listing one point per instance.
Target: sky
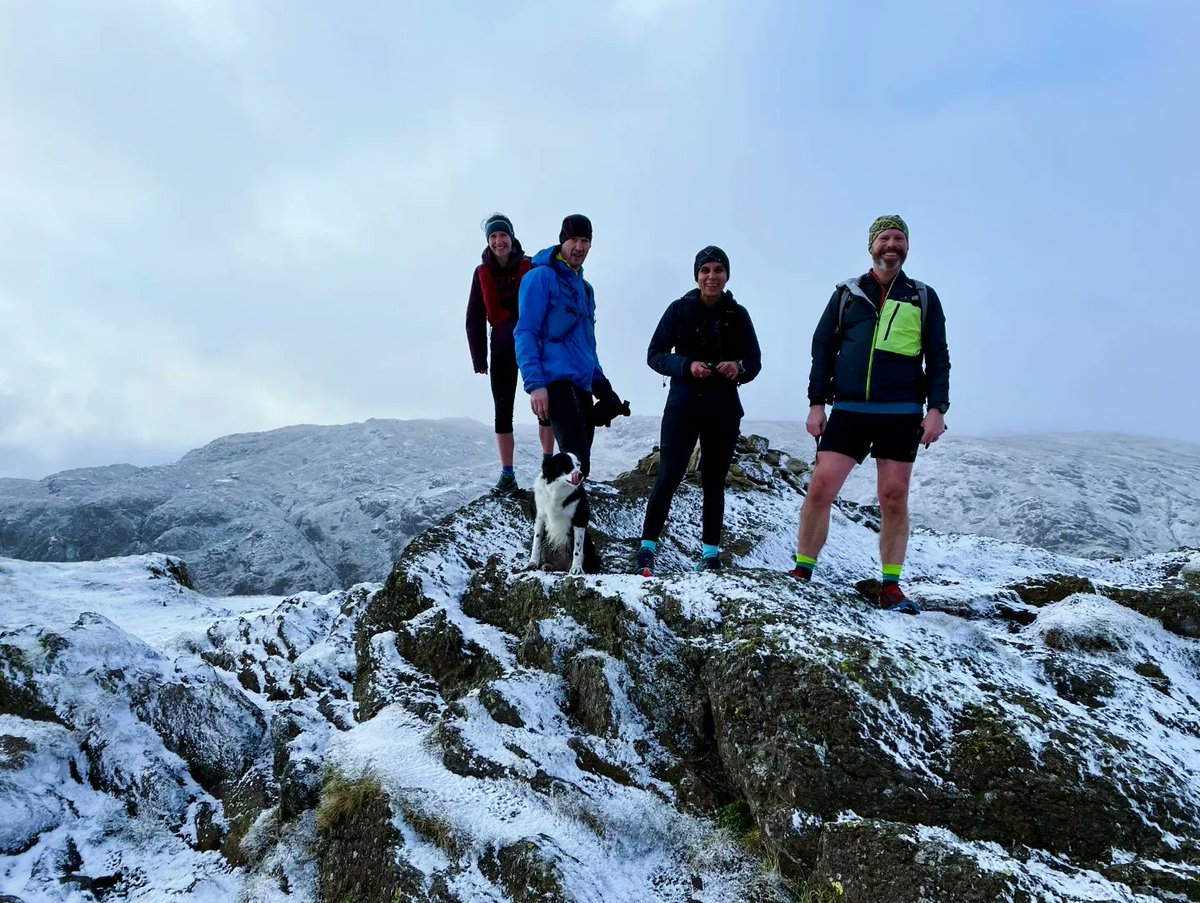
(229, 216)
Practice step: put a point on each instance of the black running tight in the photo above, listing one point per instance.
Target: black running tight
(718, 434)
(503, 373)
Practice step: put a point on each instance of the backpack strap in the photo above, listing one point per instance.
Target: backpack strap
(923, 294)
(851, 287)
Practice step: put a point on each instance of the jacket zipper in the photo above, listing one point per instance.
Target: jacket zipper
(895, 311)
(875, 335)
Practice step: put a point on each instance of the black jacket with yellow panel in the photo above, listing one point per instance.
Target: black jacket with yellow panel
(881, 345)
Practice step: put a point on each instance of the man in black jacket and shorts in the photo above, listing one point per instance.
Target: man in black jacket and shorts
(879, 356)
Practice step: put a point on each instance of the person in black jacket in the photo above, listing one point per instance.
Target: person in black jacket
(706, 343)
(494, 300)
(879, 355)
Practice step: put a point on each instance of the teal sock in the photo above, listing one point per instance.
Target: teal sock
(650, 544)
(507, 471)
(710, 551)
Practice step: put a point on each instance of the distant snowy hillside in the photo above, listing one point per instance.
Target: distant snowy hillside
(1084, 494)
(323, 507)
(1089, 494)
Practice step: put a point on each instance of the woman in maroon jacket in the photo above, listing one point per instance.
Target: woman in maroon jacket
(493, 302)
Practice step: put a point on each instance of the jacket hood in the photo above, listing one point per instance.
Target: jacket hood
(515, 256)
(547, 257)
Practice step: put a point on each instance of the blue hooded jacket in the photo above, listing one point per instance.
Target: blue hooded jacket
(556, 330)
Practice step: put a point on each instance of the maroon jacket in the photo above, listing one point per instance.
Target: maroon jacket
(493, 300)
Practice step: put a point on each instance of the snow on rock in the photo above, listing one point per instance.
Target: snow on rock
(131, 764)
(470, 731)
(1191, 571)
(1066, 728)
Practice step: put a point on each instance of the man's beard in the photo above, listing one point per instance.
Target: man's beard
(883, 266)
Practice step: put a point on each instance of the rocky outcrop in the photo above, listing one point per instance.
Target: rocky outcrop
(1027, 731)
(473, 731)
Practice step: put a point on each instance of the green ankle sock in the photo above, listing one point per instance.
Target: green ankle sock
(808, 564)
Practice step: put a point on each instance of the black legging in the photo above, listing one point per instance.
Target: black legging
(718, 434)
(503, 373)
(571, 420)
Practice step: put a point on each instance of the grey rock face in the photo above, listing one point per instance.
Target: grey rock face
(94, 676)
(873, 756)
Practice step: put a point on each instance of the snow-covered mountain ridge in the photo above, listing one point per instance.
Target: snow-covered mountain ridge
(472, 732)
(323, 507)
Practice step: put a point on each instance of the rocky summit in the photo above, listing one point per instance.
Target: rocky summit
(472, 731)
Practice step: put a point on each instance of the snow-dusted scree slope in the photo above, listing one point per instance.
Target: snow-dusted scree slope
(472, 732)
(323, 507)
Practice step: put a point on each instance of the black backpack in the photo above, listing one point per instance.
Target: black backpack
(848, 293)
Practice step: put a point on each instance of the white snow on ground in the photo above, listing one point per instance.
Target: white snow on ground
(127, 623)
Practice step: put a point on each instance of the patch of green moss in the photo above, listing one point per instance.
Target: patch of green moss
(357, 844)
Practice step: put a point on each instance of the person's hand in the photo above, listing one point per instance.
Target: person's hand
(729, 369)
(816, 421)
(539, 401)
(932, 427)
(700, 370)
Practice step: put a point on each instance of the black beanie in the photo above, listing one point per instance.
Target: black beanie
(575, 226)
(710, 254)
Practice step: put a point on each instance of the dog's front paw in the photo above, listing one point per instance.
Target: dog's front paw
(576, 570)
(530, 565)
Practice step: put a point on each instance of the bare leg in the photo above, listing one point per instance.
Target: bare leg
(504, 445)
(546, 437)
(893, 480)
(828, 477)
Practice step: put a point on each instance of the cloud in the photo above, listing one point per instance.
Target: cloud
(261, 218)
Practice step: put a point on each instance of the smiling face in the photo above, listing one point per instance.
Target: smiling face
(889, 250)
(711, 280)
(501, 244)
(575, 251)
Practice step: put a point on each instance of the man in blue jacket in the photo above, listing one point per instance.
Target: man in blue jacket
(556, 343)
(879, 356)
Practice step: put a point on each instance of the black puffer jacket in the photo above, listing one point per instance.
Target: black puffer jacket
(689, 331)
(885, 355)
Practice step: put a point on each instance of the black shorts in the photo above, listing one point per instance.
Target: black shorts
(892, 437)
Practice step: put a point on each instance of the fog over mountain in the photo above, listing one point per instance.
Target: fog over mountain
(323, 507)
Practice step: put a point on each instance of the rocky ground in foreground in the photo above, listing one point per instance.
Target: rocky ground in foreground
(470, 731)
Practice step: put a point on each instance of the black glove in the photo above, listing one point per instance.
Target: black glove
(608, 404)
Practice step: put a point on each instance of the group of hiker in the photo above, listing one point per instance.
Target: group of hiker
(879, 357)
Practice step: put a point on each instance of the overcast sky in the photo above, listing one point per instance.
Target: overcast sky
(221, 217)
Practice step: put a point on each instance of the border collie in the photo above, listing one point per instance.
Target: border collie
(562, 514)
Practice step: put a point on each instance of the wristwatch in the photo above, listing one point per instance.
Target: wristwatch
(943, 407)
